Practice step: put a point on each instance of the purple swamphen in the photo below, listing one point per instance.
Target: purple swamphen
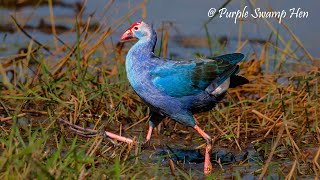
(178, 89)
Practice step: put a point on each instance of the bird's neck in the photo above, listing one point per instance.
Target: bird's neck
(144, 48)
(138, 55)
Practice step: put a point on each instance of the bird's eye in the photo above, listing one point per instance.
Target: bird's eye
(136, 28)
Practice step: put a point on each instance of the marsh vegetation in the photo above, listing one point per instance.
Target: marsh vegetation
(267, 128)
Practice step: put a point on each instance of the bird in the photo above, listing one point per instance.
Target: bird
(177, 89)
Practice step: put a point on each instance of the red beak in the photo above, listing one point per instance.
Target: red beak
(128, 35)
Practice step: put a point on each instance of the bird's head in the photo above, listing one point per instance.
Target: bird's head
(139, 30)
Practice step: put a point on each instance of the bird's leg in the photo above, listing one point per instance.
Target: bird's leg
(207, 163)
(149, 133)
(147, 141)
(154, 120)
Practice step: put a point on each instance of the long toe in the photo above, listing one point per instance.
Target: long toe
(119, 138)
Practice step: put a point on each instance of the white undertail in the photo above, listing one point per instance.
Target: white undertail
(222, 88)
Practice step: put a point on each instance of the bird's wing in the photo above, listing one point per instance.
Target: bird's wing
(187, 78)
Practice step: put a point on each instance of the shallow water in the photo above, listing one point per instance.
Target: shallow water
(186, 19)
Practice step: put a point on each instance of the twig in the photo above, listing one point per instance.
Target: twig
(11, 117)
(265, 168)
(292, 170)
(29, 36)
(262, 115)
(134, 124)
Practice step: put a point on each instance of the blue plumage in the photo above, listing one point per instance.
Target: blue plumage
(176, 89)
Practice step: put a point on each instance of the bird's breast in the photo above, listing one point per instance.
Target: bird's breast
(137, 74)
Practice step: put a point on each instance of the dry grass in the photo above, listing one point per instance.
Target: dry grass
(85, 84)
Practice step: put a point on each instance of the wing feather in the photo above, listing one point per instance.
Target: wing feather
(187, 78)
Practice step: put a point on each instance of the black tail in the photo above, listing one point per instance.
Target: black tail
(237, 81)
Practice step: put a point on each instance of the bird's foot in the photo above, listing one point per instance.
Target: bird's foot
(207, 169)
(145, 144)
(207, 163)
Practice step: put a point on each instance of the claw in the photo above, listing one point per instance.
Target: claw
(146, 143)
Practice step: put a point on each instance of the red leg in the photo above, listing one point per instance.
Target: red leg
(119, 138)
(149, 133)
(207, 163)
(147, 141)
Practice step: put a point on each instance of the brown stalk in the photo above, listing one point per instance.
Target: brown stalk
(275, 145)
